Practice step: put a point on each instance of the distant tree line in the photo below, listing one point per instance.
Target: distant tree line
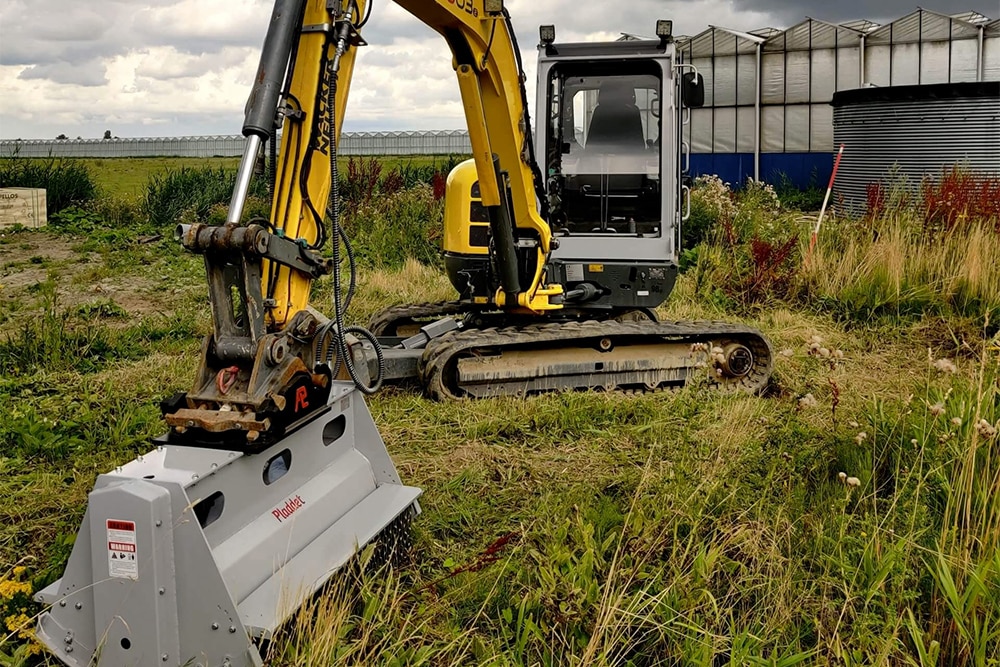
(107, 136)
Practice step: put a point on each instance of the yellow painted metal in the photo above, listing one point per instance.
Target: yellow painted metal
(489, 78)
(300, 203)
(485, 45)
(479, 135)
(457, 206)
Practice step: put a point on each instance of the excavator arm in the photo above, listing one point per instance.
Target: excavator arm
(268, 365)
(320, 68)
(487, 64)
(489, 72)
(268, 347)
(490, 77)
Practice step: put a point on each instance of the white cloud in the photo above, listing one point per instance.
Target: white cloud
(184, 66)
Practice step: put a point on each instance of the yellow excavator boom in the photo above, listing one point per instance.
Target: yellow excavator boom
(489, 74)
(302, 181)
(490, 77)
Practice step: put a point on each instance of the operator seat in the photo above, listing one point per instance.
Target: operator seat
(617, 123)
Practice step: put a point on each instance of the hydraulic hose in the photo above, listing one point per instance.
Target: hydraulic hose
(337, 328)
(272, 165)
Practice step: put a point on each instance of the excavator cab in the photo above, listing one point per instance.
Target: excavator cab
(607, 137)
(603, 160)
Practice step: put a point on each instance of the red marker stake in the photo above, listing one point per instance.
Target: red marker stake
(826, 200)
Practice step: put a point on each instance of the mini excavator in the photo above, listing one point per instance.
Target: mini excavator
(561, 243)
(271, 474)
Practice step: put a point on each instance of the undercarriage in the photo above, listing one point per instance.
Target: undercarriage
(453, 351)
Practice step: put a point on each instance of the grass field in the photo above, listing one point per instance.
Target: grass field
(128, 176)
(850, 517)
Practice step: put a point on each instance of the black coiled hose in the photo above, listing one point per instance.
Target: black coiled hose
(336, 327)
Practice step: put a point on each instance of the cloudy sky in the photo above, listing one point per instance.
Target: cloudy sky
(183, 67)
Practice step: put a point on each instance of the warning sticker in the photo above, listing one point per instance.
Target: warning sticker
(122, 553)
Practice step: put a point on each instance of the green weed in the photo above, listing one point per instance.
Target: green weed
(66, 182)
(172, 193)
(388, 229)
(685, 528)
(809, 198)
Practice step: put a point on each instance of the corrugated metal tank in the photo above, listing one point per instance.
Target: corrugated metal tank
(900, 134)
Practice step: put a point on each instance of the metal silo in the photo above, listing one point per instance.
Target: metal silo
(900, 134)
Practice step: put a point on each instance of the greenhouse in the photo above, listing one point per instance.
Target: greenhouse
(768, 92)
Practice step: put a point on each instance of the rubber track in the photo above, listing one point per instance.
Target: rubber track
(436, 364)
(386, 321)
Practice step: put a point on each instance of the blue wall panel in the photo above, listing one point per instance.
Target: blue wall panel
(732, 168)
(802, 169)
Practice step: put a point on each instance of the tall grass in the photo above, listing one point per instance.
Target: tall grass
(909, 258)
(67, 182)
(684, 528)
(962, 619)
(688, 555)
(897, 271)
(393, 227)
(191, 192)
(390, 215)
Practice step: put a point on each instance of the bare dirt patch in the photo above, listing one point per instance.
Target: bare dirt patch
(28, 259)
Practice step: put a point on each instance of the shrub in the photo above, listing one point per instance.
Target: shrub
(955, 197)
(108, 221)
(388, 229)
(171, 193)
(120, 210)
(809, 198)
(428, 173)
(758, 196)
(75, 220)
(711, 201)
(959, 196)
(366, 177)
(66, 182)
(360, 183)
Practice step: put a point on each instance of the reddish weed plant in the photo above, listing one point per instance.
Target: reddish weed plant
(944, 202)
(362, 181)
(770, 267)
(876, 199)
(366, 178)
(438, 182)
(959, 196)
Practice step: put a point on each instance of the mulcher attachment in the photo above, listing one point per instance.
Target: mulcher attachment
(189, 555)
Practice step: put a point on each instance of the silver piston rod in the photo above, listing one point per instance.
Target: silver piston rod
(243, 176)
(282, 32)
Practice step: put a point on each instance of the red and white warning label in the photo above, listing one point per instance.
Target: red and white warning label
(122, 553)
